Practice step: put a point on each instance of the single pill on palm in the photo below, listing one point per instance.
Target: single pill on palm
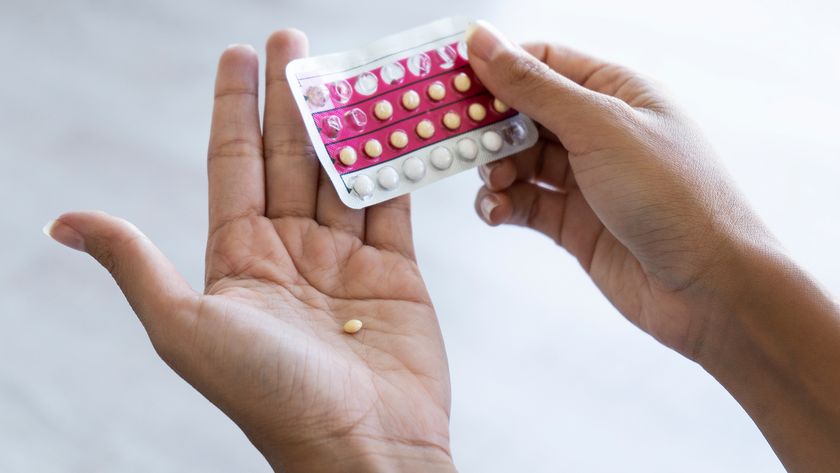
(411, 100)
(398, 139)
(425, 129)
(467, 149)
(347, 156)
(476, 112)
(462, 82)
(491, 140)
(363, 186)
(373, 148)
(383, 110)
(451, 120)
(436, 91)
(353, 326)
(500, 106)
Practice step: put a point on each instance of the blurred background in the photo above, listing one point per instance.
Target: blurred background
(106, 105)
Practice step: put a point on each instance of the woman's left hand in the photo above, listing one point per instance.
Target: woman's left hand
(287, 265)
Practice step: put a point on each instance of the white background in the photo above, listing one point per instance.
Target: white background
(106, 105)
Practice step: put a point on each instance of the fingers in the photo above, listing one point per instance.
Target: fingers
(527, 84)
(546, 163)
(388, 226)
(598, 75)
(151, 284)
(234, 159)
(291, 165)
(576, 66)
(524, 204)
(333, 213)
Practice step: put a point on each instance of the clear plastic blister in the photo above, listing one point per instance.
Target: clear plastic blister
(402, 113)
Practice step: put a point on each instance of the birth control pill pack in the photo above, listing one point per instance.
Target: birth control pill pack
(403, 112)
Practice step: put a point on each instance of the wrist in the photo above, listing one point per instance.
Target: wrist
(768, 300)
(775, 350)
(360, 454)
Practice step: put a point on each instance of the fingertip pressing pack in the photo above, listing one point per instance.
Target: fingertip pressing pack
(402, 113)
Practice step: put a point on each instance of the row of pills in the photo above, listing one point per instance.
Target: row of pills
(424, 129)
(383, 110)
(414, 169)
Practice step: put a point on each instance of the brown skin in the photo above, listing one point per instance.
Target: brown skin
(287, 265)
(620, 179)
(625, 183)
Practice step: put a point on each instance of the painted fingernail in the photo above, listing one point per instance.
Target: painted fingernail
(64, 234)
(488, 203)
(485, 41)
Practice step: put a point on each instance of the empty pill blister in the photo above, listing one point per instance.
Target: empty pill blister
(403, 112)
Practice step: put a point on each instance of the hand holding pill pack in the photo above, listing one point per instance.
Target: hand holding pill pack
(402, 113)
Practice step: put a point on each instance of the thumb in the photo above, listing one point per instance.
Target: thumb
(520, 80)
(151, 284)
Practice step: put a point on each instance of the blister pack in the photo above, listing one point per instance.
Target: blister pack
(403, 112)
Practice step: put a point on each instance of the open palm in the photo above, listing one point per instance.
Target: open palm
(287, 265)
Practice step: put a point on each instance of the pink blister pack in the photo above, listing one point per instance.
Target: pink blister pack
(403, 112)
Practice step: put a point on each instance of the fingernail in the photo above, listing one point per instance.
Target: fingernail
(485, 41)
(488, 203)
(488, 171)
(64, 234)
(242, 45)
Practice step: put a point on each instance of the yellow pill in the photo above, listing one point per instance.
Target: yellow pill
(347, 156)
(436, 91)
(411, 100)
(477, 112)
(451, 120)
(383, 110)
(462, 82)
(500, 106)
(425, 129)
(373, 148)
(398, 139)
(353, 326)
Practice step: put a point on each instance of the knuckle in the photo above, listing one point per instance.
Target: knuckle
(525, 71)
(234, 148)
(245, 92)
(295, 146)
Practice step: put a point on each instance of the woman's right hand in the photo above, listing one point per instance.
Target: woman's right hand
(621, 180)
(624, 182)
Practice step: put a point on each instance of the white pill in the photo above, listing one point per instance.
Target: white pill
(467, 149)
(492, 141)
(388, 178)
(414, 169)
(441, 158)
(363, 186)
